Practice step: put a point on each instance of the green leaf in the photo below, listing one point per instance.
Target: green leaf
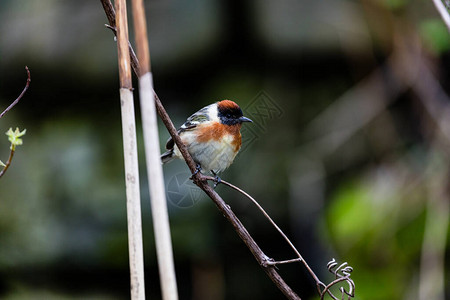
(2, 164)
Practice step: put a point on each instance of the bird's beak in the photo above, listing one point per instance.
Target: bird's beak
(244, 119)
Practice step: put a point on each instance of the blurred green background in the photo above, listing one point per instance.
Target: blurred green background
(349, 152)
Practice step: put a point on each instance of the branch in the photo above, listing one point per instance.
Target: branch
(342, 273)
(15, 138)
(266, 215)
(21, 94)
(8, 163)
(12, 149)
(111, 15)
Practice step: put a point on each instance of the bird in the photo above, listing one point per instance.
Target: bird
(212, 137)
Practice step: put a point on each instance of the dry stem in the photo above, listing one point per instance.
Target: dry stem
(21, 94)
(135, 245)
(11, 153)
(8, 163)
(152, 153)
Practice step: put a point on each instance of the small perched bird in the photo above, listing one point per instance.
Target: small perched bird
(212, 137)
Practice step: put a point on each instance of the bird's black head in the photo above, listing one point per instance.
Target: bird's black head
(230, 113)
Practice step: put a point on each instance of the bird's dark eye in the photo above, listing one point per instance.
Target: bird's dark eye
(228, 116)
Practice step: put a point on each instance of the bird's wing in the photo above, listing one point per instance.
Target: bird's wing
(199, 117)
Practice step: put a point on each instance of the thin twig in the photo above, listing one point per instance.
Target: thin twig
(331, 265)
(266, 215)
(21, 94)
(8, 163)
(329, 286)
(11, 153)
(443, 12)
(345, 269)
(111, 15)
(281, 262)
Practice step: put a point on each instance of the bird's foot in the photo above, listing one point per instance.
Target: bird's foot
(217, 179)
(197, 169)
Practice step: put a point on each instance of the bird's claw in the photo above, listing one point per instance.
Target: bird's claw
(217, 179)
(197, 169)
(268, 261)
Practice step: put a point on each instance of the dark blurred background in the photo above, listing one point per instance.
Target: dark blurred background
(349, 151)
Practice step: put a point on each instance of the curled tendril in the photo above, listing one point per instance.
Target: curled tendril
(341, 273)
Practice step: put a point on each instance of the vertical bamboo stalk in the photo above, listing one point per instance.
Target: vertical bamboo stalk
(135, 247)
(152, 154)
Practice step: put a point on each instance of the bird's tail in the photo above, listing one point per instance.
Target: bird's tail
(167, 156)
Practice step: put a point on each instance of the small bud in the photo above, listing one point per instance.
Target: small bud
(14, 137)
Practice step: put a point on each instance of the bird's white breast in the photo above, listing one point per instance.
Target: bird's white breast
(215, 155)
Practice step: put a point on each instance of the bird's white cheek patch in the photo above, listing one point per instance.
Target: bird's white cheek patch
(212, 113)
